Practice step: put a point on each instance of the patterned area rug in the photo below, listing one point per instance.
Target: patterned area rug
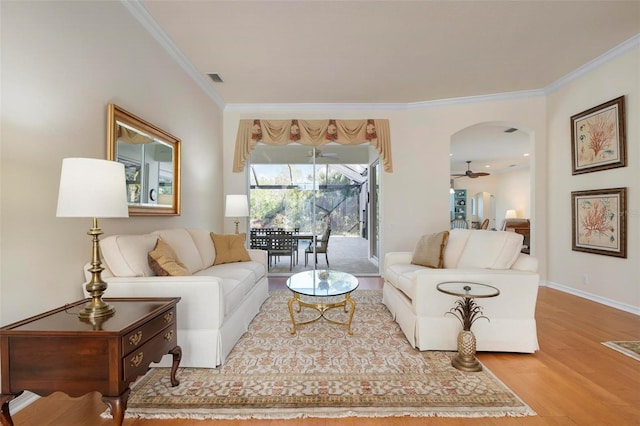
(323, 372)
(630, 348)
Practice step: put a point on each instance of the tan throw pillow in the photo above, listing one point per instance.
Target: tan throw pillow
(230, 248)
(429, 251)
(164, 262)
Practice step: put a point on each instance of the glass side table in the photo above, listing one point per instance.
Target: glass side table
(467, 312)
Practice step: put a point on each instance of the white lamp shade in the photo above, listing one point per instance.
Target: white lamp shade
(510, 214)
(90, 187)
(236, 206)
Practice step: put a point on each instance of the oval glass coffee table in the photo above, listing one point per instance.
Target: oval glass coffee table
(322, 283)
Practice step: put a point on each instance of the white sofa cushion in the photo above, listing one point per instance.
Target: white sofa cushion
(184, 246)
(202, 240)
(455, 246)
(237, 281)
(402, 276)
(490, 250)
(126, 255)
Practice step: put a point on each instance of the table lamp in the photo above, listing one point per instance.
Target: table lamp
(93, 188)
(237, 206)
(510, 214)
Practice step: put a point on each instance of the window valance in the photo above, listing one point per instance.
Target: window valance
(313, 133)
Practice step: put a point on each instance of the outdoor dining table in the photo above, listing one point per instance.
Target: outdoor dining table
(260, 238)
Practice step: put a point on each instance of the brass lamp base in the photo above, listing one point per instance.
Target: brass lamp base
(237, 223)
(96, 308)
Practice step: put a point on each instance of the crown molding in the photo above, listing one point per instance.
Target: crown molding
(475, 99)
(142, 15)
(136, 8)
(382, 106)
(316, 107)
(606, 57)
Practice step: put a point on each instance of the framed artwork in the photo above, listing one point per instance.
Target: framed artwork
(598, 138)
(599, 221)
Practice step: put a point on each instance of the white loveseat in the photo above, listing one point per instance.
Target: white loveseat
(217, 301)
(488, 257)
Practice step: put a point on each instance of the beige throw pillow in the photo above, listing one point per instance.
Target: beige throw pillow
(230, 248)
(164, 262)
(429, 251)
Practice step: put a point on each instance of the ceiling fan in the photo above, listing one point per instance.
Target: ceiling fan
(469, 173)
(320, 154)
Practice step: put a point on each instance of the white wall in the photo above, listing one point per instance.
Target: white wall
(513, 192)
(415, 197)
(62, 63)
(607, 278)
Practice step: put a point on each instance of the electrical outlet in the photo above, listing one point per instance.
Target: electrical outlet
(585, 279)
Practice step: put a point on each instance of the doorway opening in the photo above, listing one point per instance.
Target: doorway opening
(491, 172)
(307, 190)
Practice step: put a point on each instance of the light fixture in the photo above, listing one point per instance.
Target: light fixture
(510, 214)
(93, 188)
(236, 206)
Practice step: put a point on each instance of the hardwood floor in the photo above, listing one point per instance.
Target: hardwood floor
(572, 380)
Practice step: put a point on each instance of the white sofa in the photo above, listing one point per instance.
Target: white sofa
(488, 257)
(218, 302)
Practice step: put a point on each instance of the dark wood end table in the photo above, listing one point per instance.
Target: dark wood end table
(57, 351)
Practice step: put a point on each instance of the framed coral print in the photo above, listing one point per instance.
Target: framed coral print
(599, 221)
(598, 138)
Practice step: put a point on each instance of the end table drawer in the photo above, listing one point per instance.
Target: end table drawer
(137, 362)
(142, 334)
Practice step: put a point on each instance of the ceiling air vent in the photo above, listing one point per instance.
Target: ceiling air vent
(216, 78)
(511, 130)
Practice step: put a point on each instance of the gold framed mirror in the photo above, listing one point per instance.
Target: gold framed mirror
(151, 159)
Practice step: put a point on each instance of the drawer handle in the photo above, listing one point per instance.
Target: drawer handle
(137, 360)
(135, 339)
(168, 335)
(168, 316)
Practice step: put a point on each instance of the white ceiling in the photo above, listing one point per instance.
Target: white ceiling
(489, 149)
(389, 51)
(386, 52)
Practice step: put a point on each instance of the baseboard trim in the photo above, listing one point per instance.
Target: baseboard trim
(593, 297)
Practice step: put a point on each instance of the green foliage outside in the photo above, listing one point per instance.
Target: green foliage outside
(337, 202)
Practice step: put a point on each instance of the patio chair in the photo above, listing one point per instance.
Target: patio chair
(260, 242)
(459, 224)
(281, 244)
(320, 247)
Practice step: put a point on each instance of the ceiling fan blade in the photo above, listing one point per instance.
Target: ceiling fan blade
(479, 174)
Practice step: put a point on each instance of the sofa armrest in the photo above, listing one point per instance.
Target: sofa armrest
(394, 257)
(258, 256)
(517, 299)
(201, 305)
(525, 262)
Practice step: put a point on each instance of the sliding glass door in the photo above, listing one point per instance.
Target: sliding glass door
(308, 190)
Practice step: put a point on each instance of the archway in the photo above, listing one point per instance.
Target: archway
(499, 156)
